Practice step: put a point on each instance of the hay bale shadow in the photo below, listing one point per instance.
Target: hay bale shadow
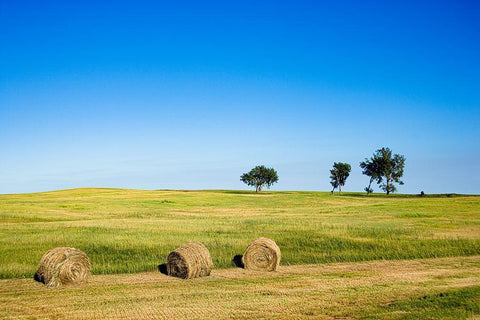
(163, 268)
(237, 261)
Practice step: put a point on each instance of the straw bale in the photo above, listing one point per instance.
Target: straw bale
(262, 254)
(63, 266)
(189, 261)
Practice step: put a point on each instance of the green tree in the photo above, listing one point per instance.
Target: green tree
(338, 175)
(385, 168)
(371, 168)
(259, 177)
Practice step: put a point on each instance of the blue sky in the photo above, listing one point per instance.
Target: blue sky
(191, 94)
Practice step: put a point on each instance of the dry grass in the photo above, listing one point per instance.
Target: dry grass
(189, 261)
(348, 290)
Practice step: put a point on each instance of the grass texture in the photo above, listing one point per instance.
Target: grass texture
(440, 288)
(130, 231)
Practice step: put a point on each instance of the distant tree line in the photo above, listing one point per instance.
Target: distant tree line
(383, 167)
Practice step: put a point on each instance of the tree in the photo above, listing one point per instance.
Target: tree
(385, 169)
(371, 168)
(259, 177)
(339, 175)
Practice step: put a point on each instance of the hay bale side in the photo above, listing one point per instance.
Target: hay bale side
(189, 261)
(262, 254)
(62, 266)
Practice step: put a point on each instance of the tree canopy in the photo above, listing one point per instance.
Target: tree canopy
(259, 177)
(385, 168)
(371, 168)
(338, 175)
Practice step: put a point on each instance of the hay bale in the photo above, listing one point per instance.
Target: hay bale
(262, 254)
(189, 261)
(62, 266)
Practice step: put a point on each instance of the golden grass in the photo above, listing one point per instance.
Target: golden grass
(348, 290)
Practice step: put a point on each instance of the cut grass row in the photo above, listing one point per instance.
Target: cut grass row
(128, 231)
(441, 288)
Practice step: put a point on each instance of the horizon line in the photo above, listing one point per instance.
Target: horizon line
(245, 190)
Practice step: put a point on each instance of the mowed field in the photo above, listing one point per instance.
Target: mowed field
(342, 256)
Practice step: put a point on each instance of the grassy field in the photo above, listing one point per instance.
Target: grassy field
(441, 288)
(350, 256)
(129, 231)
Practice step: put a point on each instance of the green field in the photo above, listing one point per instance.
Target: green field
(130, 231)
(349, 256)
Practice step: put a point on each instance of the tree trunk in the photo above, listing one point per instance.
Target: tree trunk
(388, 186)
(339, 185)
(369, 186)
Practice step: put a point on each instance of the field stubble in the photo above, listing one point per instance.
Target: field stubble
(413, 289)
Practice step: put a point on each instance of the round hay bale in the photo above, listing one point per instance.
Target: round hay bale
(189, 261)
(262, 254)
(62, 266)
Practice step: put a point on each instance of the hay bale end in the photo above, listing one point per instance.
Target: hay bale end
(262, 254)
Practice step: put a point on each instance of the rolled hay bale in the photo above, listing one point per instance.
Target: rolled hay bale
(63, 266)
(189, 261)
(262, 254)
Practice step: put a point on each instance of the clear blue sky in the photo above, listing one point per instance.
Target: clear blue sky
(191, 94)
